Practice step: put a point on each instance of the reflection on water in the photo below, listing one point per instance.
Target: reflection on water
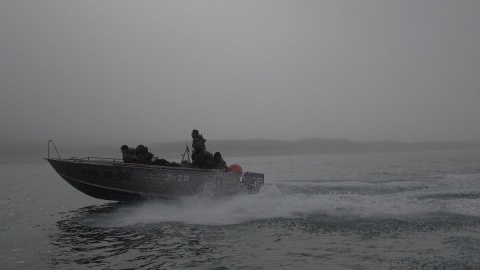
(84, 242)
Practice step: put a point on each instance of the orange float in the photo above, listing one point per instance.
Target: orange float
(235, 168)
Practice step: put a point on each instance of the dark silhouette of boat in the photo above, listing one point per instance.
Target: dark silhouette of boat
(112, 179)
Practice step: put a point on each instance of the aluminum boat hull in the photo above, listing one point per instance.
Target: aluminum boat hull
(118, 181)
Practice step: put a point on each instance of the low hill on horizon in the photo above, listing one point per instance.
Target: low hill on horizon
(253, 147)
(264, 147)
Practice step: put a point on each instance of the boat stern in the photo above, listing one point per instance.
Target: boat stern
(253, 181)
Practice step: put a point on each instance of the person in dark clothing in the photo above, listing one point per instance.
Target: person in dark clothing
(197, 138)
(144, 157)
(203, 158)
(218, 162)
(129, 155)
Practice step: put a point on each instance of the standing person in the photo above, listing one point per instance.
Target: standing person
(197, 141)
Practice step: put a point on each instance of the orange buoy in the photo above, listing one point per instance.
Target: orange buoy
(235, 168)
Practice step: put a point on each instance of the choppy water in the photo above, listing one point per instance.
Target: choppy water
(413, 210)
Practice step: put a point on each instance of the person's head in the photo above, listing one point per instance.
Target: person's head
(217, 155)
(195, 133)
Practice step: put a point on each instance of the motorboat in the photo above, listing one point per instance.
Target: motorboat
(113, 179)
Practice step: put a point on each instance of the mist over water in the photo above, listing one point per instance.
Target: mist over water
(362, 76)
(89, 72)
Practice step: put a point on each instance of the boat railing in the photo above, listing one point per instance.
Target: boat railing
(51, 141)
(115, 160)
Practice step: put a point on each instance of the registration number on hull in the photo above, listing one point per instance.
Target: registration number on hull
(174, 177)
(125, 175)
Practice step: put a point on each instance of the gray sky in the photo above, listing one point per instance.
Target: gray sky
(148, 71)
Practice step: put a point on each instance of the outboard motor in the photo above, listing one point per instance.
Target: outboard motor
(253, 181)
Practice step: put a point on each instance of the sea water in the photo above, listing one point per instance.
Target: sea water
(402, 210)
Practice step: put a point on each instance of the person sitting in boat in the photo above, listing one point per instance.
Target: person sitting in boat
(197, 138)
(203, 158)
(129, 154)
(144, 157)
(218, 162)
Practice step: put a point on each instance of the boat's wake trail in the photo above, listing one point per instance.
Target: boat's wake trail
(387, 200)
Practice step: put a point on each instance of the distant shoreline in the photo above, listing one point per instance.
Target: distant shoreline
(312, 146)
(258, 147)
